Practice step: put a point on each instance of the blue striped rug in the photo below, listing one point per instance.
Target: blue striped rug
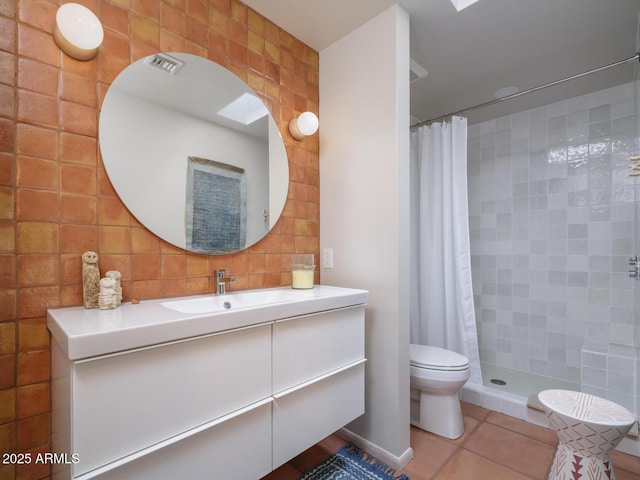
(351, 463)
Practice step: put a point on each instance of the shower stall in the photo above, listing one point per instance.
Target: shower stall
(554, 224)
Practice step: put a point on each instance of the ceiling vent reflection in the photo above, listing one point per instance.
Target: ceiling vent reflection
(164, 62)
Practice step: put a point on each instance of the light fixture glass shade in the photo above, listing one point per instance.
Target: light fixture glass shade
(306, 124)
(78, 32)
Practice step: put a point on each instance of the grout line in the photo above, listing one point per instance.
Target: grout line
(492, 460)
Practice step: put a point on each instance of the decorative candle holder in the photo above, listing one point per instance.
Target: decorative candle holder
(302, 270)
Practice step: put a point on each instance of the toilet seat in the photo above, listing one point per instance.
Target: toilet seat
(435, 358)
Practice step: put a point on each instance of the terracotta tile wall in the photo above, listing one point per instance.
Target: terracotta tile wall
(56, 201)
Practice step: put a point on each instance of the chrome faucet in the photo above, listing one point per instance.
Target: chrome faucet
(221, 281)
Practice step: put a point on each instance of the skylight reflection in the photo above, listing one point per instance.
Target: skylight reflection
(460, 4)
(245, 109)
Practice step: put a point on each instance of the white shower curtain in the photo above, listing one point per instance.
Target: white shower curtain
(442, 309)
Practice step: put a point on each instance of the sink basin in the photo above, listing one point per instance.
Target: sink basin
(231, 301)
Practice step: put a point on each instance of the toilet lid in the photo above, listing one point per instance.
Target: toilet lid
(436, 358)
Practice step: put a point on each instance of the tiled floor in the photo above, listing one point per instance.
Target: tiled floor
(494, 446)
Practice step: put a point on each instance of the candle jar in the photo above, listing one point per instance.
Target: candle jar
(302, 270)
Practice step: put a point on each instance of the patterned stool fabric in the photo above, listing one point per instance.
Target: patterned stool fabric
(588, 429)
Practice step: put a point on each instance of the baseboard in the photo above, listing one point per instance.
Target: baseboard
(394, 461)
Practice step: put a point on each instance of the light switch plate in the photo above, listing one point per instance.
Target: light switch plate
(327, 258)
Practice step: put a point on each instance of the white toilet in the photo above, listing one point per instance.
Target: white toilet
(436, 377)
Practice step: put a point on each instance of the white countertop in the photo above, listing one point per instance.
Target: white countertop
(84, 333)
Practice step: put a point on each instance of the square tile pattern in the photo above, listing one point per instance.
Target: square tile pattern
(56, 201)
(494, 446)
(553, 215)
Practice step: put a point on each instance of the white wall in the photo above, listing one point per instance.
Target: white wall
(364, 208)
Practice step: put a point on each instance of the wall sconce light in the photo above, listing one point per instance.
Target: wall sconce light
(304, 125)
(78, 32)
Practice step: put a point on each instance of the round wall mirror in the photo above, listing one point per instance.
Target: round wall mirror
(193, 153)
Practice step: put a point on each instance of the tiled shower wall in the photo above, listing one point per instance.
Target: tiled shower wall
(552, 223)
(56, 201)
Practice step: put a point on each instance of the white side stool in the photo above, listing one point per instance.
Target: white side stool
(589, 428)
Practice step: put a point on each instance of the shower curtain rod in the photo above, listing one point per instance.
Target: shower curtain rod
(524, 92)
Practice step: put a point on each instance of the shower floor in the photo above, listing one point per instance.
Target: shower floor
(520, 383)
(518, 397)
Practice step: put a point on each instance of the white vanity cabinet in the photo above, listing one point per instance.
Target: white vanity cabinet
(231, 404)
(318, 378)
(128, 405)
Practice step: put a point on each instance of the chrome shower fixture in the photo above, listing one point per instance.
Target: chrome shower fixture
(635, 167)
(634, 263)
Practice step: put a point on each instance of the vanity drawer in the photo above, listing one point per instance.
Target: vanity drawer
(126, 402)
(237, 448)
(303, 415)
(312, 345)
